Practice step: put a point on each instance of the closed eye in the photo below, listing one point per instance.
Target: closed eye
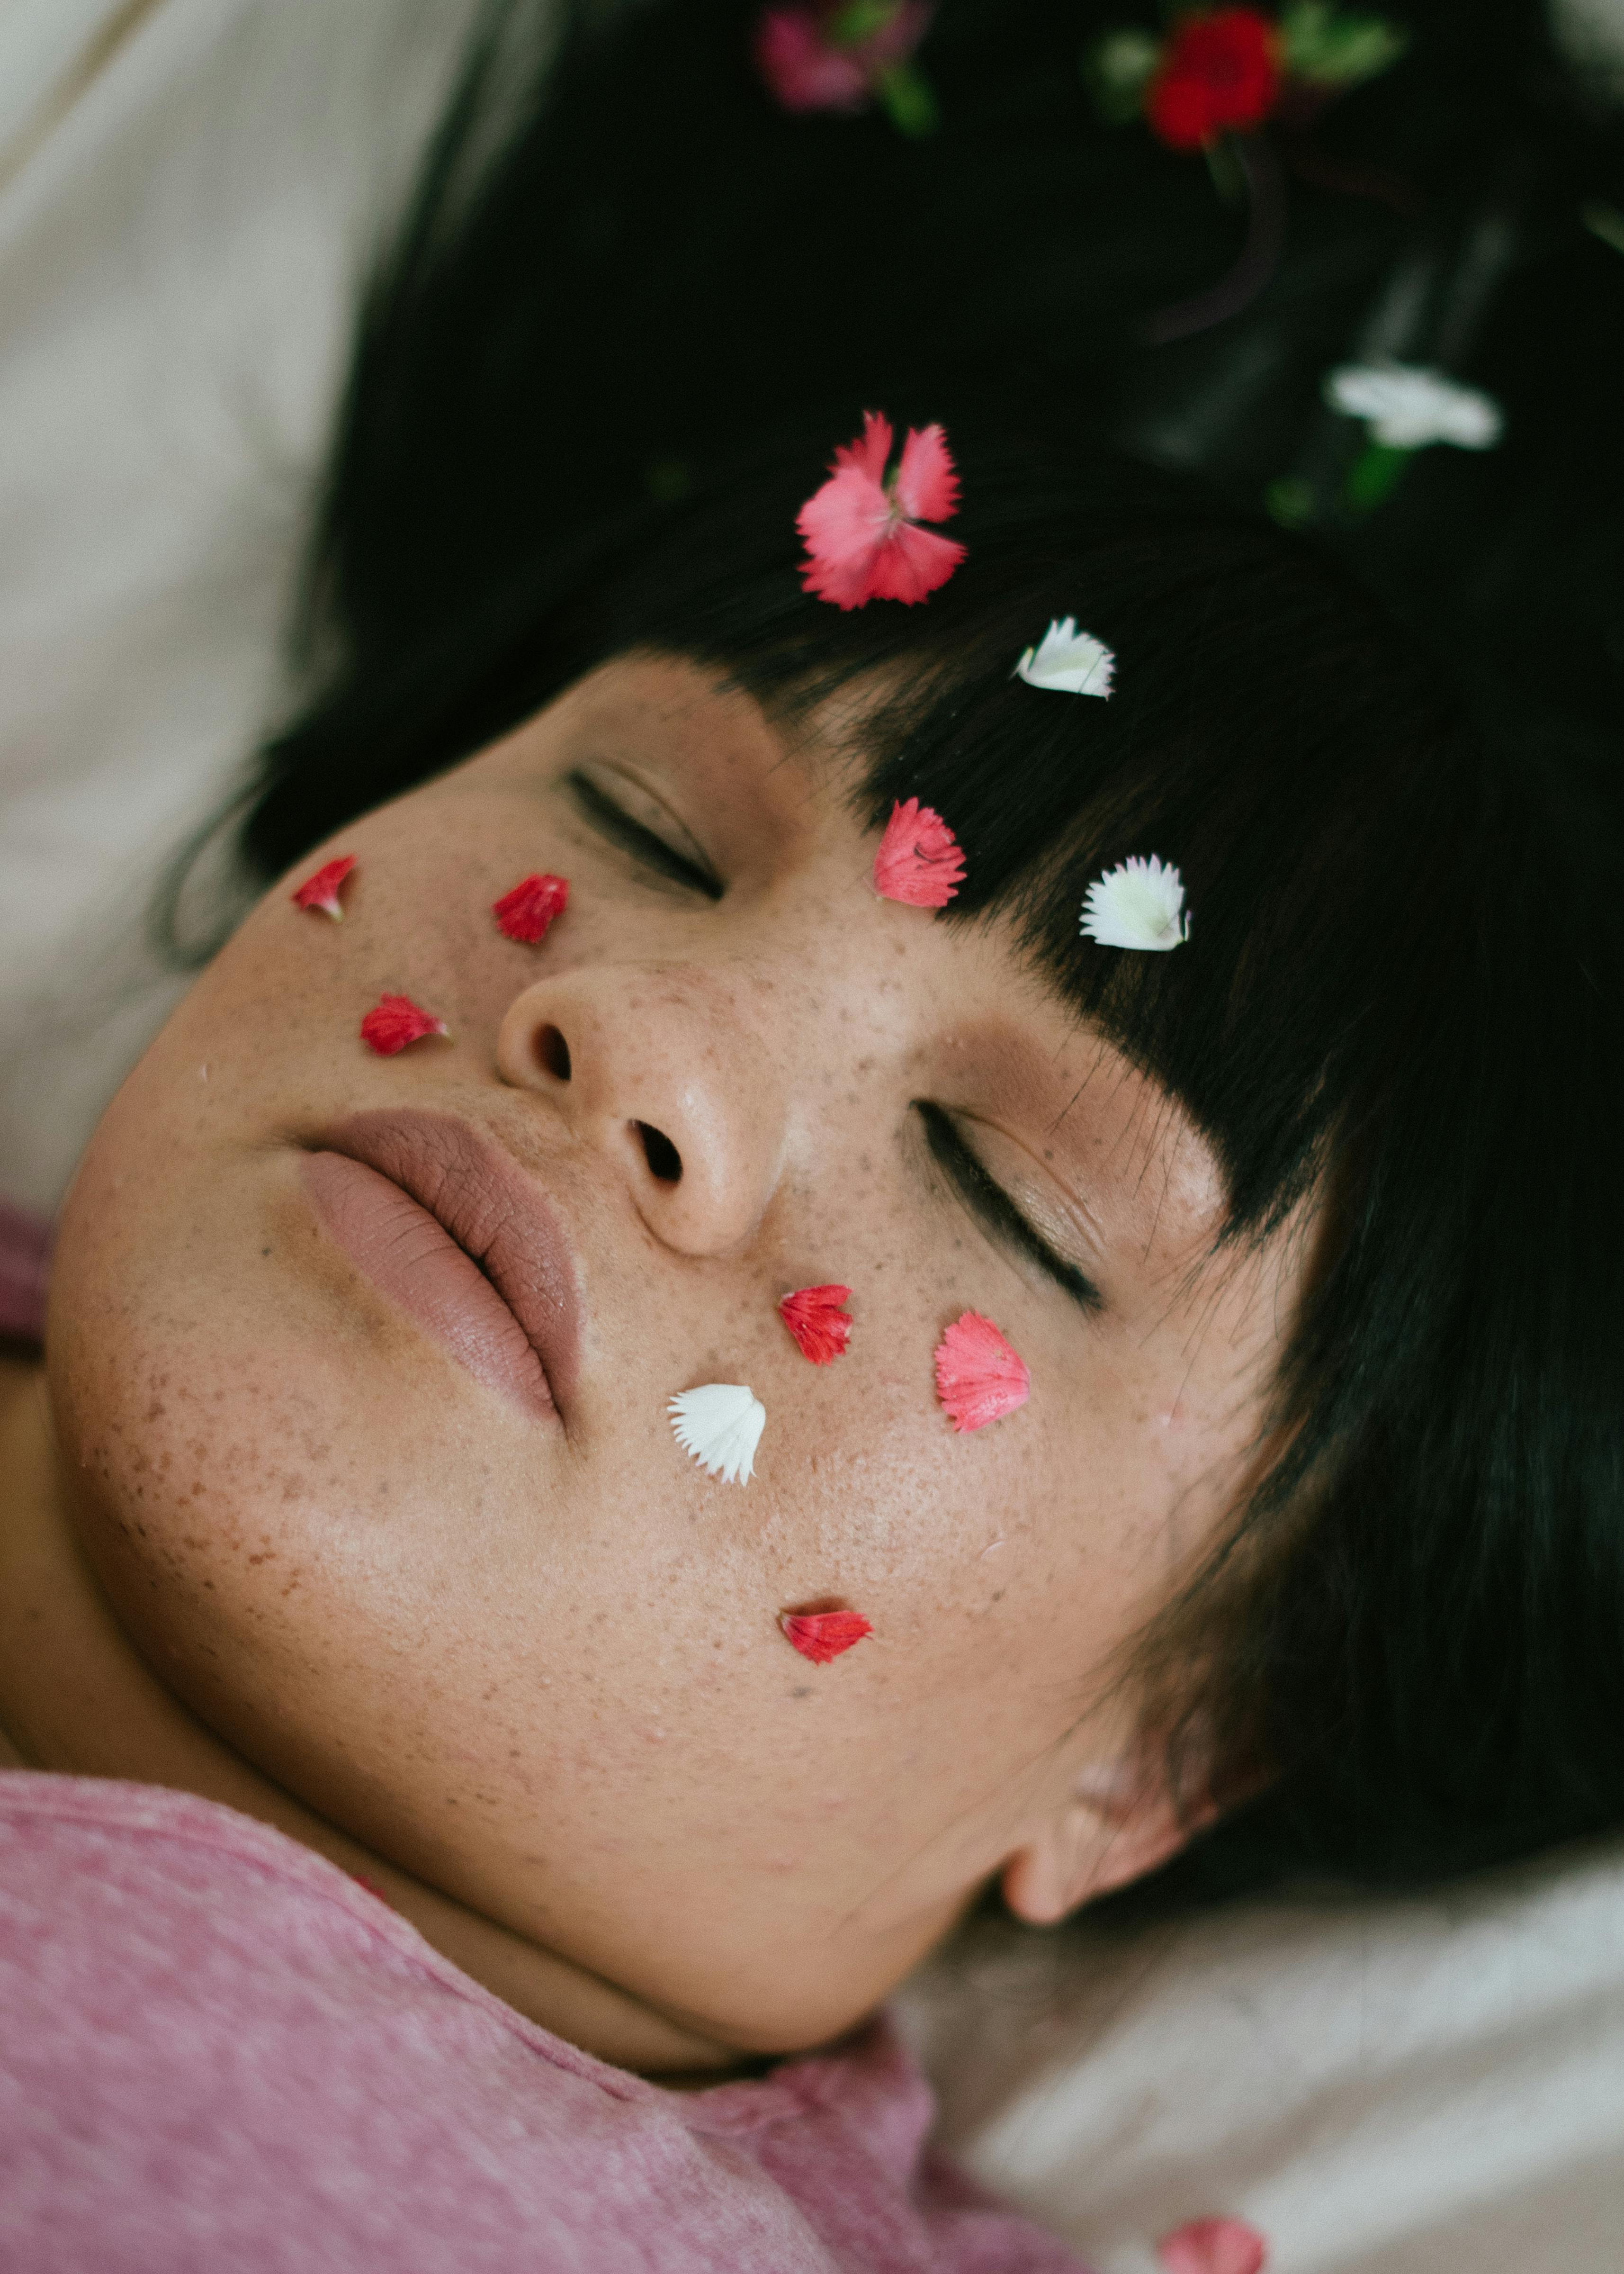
(994, 1209)
(613, 822)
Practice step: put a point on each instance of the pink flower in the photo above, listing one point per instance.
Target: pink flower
(835, 58)
(862, 539)
(321, 890)
(397, 1021)
(979, 1377)
(1213, 2246)
(919, 861)
(526, 913)
(823, 1635)
(814, 1316)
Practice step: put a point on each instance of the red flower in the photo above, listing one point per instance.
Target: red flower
(823, 1635)
(1219, 72)
(321, 890)
(397, 1021)
(811, 61)
(526, 911)
(919, 861)
(814, 1316)
(862, 539)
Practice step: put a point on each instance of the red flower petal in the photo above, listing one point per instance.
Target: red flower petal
(321, 890)
(801, 71)
(927, 479)
(919, 861)
(397, 1021)
(862, 539)
(823, 1635)
(1218, 73)
(1213, 2246)
(979, 1377)
(814, 1316)
(526, 911)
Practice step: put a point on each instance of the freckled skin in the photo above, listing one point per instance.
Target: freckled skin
(540, 1671)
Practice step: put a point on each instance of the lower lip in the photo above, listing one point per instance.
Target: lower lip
(409, 1257)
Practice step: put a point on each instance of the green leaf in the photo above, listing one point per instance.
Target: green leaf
(909, 99)
(1374, 475)
(1337, 50)
(1116, 69)
(860, 20)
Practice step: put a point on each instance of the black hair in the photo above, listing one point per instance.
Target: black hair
(616, 342)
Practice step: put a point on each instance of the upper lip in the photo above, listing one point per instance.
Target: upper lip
(487, 1204)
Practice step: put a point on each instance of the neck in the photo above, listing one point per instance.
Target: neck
(113, 1717)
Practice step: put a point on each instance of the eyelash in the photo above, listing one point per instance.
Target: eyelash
(613, 822)
(995, 1210)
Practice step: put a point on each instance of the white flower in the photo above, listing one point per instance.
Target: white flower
(721, 1425)
(1407, 408)
(1071, 662)
(1137, 904)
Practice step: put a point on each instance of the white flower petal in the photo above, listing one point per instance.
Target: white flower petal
(1407, 408)
(720, 1424)
(1138, 904)
(1069, 661)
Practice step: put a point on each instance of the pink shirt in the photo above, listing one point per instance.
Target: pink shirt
(218, 2051)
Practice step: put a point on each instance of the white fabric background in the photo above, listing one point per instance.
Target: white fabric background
(1396, 2088)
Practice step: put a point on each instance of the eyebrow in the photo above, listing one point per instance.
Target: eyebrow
(995, 1211)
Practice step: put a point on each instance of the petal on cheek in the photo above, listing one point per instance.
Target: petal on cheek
(979, 1377)
(527, 912)
(814, 1316)
(394, 1022)
(321, 891)
(821, 1636)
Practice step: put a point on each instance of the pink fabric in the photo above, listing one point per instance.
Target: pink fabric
(217, 2050)
(24, 1268)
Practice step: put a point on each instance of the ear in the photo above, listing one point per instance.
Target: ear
(1116, 1825)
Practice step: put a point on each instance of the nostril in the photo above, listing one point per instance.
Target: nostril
(553, 1053)
(664, 1162)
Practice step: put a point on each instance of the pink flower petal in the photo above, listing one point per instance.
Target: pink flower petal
(397, 1021)
(814, 1316)
(1213, 2246)
(979, 1377)
(927, 481)
(801, 71)
(919, 861)
(321, 890)
(823, 1635)
(861, 544)
(870, 451)
(911, 563)
(526, 913)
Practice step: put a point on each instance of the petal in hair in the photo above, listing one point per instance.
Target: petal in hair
(1138, 904)
(1407, 408)
(321, 891)
(814, 1316)
(526, 913)
(919, 861)
(1213, 2246)
(862, 535)
(720, 1424)
(979, 1377)
(397, 1021)
(821, 1636)
(1069, 661)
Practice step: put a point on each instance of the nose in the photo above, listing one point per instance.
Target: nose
(667, 1072)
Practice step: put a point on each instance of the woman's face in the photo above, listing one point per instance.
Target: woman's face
(438, 1566)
